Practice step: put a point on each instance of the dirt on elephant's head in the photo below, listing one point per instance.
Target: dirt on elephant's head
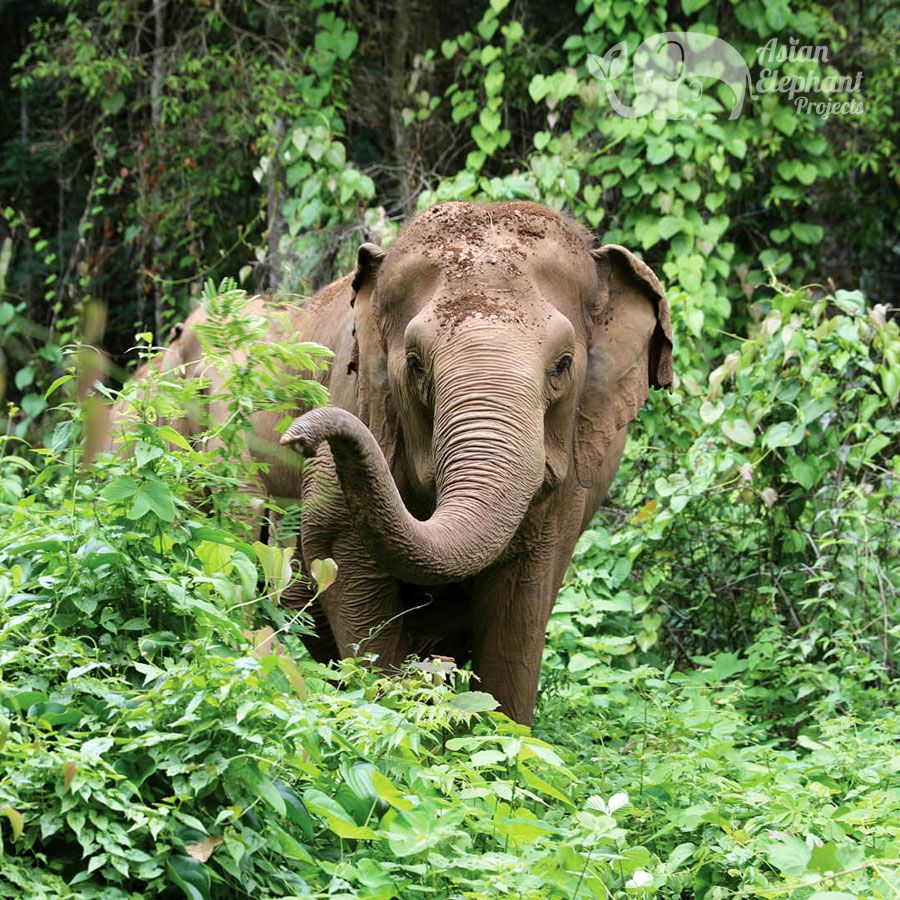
(456, 308)
(489, 241)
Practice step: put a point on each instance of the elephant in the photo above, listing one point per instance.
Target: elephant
(486, 367)
(668, 64)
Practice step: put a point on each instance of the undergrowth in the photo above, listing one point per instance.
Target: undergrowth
(163, 732)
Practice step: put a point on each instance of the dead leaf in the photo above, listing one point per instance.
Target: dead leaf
(436, 665)
(644, 513)
(69, 770)
(769, 496)
(264, 642)
(204, 849)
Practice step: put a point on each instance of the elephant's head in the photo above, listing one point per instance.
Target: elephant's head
(498, 355)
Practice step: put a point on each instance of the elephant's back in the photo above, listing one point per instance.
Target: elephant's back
(329, 321)
(326, 319)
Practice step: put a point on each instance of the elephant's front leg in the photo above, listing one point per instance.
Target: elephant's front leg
(511, 605)
(363, 606)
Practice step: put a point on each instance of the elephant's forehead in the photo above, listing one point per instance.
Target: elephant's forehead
(499, 242)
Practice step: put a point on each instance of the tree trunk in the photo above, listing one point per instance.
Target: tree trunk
(157, 78)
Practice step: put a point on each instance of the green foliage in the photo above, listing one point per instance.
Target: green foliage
(705, 196)
(717, 708)
(162, 730)
(718, 806)
(765, 518)
(257, 140)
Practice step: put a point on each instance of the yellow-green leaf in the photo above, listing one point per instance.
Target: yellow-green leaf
(168, 433)
(292, 673)
(336, 817)
(16, 820)
(386, 790)
(324, 571)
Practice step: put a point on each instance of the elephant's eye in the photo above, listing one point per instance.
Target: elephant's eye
(414, 364)
(563, 364)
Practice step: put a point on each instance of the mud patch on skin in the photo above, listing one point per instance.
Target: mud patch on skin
(449, 230)
(454, 310)
(485, 250)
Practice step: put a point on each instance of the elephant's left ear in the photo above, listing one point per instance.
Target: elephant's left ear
(630, 352)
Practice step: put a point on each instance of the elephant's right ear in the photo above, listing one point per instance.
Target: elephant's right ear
(630, 351)
(368, 261)
(373, 393)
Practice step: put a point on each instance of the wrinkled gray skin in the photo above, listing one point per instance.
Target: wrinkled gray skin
(486, 367)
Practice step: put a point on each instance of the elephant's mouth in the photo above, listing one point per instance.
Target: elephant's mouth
(552, 481)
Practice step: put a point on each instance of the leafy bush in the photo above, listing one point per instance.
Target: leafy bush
(721, 807)
(762, 517)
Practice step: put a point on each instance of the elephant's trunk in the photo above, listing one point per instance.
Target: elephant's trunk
(484, 487)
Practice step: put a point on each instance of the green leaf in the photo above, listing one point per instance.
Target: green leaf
(784, 434)
(490, 120)
(293, 675)
(289, 845)
(358, 779)
(493, 82)
(538, 88)
(159, 499)
(679, 856)
(266, 790)
(807, 234)
(711, 412)
(790, 855)
(736, 147)
(296, 810)
(474, 702)
(112, 103)
(784, 118)
(387, 791)
(336, 817)
(739, 431)
(121, 489)
(189, 875)
(804, 473)
(544, 787)
(24, 377)
(659, 151)
(33, 405)
(168, 433)
(690, 191)
(58, 383)
(144, 453)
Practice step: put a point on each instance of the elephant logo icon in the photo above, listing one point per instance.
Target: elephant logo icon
(667, 69)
